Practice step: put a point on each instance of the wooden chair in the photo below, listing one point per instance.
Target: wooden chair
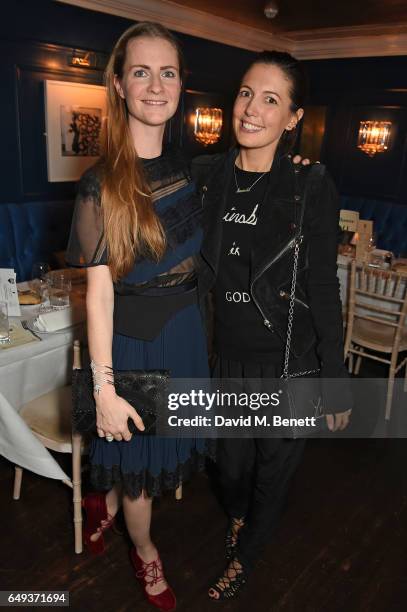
(49, 418)
(377, 313)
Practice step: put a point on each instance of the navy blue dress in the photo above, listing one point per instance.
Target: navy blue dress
(151, 463)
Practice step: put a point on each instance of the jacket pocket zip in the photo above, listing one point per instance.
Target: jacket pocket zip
(287, 247)
(286, 295)
(204, 190)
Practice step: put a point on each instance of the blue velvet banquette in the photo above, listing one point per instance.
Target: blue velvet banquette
(389, 221)
(32, 231)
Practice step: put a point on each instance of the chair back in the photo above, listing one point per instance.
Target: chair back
(77, 361)
(377, 296)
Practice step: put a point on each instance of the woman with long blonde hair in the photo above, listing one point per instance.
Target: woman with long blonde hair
(136, 228)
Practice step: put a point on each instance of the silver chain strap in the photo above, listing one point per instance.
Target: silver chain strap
(291, 315)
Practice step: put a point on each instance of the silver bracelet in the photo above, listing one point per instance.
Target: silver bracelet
(101, 375)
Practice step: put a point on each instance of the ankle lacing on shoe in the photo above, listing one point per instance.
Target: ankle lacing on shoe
(152, 571)
(105, 524)
(231, 537)
(227, 587)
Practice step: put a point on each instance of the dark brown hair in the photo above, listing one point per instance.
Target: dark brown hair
(296, 75)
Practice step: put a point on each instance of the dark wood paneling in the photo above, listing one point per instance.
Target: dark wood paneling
(193, 99)
(39, 37)
(31, 108)
(379, 177)
(356, 89)
(27, 65)
(37, 47)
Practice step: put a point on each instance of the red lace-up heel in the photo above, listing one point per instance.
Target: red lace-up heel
(150, 574)
(97, 520)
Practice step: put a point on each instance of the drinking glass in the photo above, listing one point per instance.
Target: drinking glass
(4, 324)
(59, 288)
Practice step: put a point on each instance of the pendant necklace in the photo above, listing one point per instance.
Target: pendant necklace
(247, 189)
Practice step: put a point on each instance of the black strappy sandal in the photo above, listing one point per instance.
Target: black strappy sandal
(231, 537)
(229, 587)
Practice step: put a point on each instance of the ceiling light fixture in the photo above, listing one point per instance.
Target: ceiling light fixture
(271, 9)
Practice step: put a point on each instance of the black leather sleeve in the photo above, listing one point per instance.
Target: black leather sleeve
(324, 298)
(202, 167)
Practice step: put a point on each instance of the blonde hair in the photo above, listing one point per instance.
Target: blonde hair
(131, 226)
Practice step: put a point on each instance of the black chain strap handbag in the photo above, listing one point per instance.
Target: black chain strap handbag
(302, 390)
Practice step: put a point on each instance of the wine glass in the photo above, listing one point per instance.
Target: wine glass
(371, 247)
(38, 282)
(372, 242)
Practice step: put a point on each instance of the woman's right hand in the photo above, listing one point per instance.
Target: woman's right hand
(112, 412)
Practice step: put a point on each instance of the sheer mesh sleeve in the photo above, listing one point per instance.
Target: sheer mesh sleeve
(86, 245)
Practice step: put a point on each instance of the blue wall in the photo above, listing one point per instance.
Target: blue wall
(37, 38)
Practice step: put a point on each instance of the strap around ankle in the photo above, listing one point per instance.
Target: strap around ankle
(153, 571)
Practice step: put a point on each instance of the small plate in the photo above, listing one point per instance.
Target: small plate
(30, 324)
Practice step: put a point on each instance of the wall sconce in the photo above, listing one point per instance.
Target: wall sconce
(374, 136)
(207, 123)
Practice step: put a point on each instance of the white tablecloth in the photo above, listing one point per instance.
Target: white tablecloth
(26, 372)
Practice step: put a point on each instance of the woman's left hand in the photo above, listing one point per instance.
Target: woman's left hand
(338, 421)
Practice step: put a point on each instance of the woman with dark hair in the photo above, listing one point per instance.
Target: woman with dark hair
(252, 196)
(137, 229)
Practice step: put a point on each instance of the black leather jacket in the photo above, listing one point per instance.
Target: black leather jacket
(317, 339)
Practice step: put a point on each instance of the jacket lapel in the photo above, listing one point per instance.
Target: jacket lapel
(275, 227)
(215, 199)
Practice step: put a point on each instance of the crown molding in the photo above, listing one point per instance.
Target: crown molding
(340, 46)
(358, 41)
(188, 21)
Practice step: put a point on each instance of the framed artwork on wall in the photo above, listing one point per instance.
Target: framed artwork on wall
(74, 114)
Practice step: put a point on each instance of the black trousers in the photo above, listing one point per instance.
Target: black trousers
(254, 473)
(254, 476)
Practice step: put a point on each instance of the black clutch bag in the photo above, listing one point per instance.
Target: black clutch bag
(145, 390)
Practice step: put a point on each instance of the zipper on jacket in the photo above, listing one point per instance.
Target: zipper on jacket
(286, 295)
(287, 247)
(204, 190)
(266, 322)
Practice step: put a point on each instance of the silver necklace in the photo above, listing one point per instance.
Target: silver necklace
(239, 189)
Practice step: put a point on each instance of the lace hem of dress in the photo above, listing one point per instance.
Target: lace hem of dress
(133, 483)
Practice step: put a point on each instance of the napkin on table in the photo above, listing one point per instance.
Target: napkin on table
(58, 319)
